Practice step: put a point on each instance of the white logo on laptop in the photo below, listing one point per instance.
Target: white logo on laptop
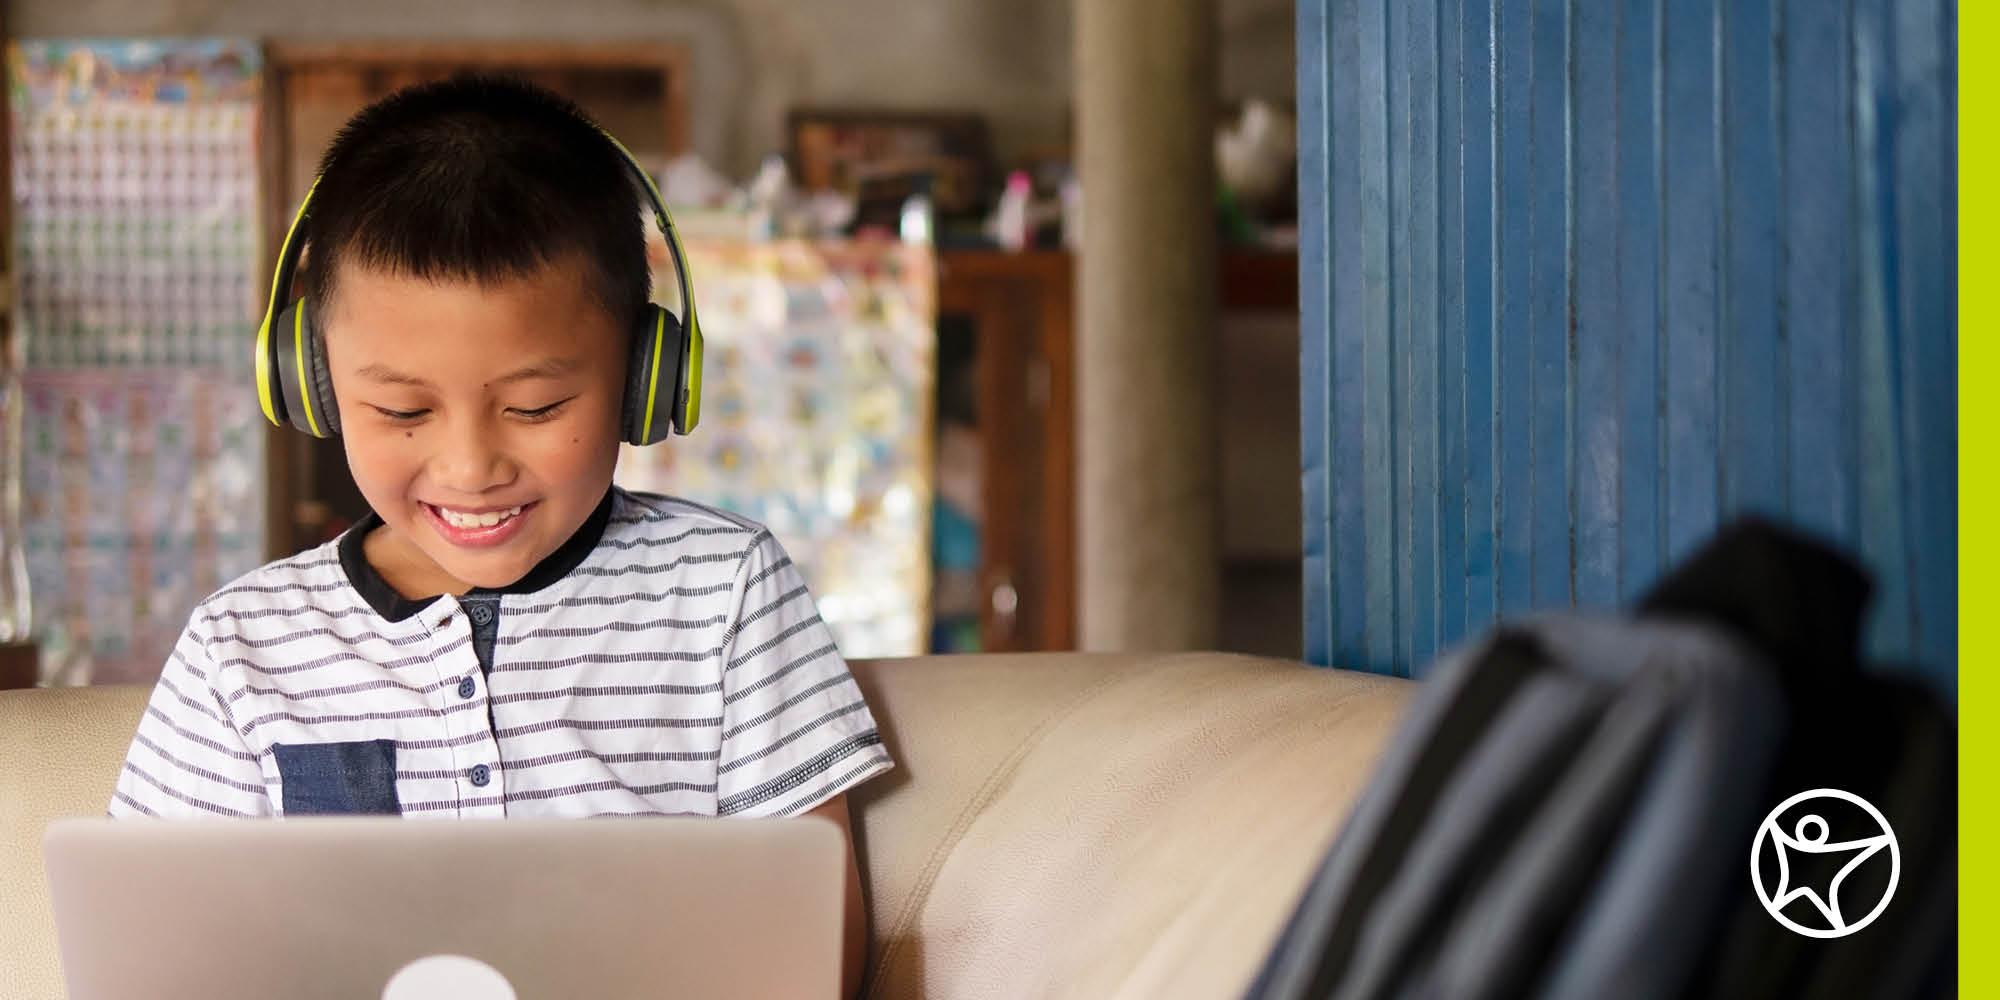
(452, 976)
(1806, 853)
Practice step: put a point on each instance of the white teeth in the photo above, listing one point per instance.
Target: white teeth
(487, 520)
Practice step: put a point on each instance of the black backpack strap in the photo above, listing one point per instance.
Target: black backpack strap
(1317, 941)
(1793, 598)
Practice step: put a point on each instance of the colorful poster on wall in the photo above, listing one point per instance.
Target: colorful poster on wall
(135, 183)
(817, 389)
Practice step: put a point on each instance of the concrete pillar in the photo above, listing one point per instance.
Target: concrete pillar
(1147, 477)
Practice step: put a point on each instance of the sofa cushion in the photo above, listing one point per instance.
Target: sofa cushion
(1098, 826)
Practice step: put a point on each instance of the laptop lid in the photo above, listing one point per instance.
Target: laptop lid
(337, 907)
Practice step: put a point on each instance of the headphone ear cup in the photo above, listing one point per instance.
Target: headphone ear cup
(271, 371)
(652, 376)
(302, 384)
(319, 379)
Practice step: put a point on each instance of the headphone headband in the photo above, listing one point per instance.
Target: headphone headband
(281, 287)
(690, 323)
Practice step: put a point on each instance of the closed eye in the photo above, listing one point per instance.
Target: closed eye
(541, 412)
(400, 416)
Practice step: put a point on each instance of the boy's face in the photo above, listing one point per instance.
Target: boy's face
(481, 422)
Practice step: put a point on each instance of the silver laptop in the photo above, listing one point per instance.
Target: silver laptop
(369, 907)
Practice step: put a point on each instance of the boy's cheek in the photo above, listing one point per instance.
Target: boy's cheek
(588, 444)
(381, 471)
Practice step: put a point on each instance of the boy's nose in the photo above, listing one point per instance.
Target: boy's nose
(471, 463)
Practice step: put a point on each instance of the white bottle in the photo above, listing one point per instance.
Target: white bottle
(915, 225)
(770, 199)
(1010, 219)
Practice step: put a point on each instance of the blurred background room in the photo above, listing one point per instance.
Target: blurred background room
(880, 200)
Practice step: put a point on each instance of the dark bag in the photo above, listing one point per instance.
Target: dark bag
(1570, 807)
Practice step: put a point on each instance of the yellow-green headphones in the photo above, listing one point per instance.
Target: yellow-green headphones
(294, 386)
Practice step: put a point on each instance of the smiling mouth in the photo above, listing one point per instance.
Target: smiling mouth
(478, 529)
(473, 521)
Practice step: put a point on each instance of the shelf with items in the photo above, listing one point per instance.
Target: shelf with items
(817, 385)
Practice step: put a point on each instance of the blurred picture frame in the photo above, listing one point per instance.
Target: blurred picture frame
(853, 150)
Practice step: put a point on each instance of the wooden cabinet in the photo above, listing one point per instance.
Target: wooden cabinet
(1021, 309)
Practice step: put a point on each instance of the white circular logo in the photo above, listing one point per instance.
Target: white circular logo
(453, 976)
(1811, 865)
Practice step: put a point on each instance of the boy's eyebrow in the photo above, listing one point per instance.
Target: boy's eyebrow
(546, 368)
(390, 376)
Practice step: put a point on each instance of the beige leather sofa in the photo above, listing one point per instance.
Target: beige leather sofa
(1061, 825)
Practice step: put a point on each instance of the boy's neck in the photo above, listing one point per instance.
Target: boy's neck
(405, 568)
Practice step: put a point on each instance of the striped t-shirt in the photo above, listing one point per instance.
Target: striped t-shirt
(667, 660)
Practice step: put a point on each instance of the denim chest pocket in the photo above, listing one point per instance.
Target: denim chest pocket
(338, 778)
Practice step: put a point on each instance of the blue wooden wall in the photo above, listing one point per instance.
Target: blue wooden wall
(1581, 278)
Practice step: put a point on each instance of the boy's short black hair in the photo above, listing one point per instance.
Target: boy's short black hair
(479, 179)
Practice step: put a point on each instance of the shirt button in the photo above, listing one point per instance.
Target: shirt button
(481, 774)
(481, 614)
(465, 688)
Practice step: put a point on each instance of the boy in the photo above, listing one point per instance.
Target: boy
(507, 634)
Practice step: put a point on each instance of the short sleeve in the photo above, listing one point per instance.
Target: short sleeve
(187, 760)
(795, 730)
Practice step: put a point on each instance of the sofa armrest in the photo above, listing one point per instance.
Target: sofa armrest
(60, 751)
